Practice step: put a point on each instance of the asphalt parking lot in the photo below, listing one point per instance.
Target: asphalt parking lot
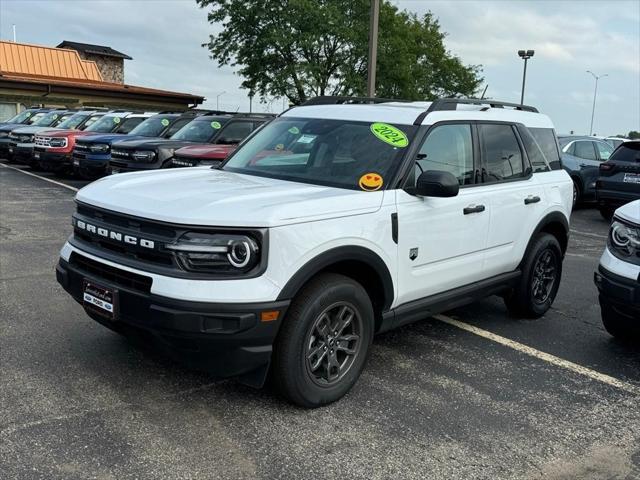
(490, 397)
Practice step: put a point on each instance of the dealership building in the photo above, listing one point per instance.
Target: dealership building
(75, 75)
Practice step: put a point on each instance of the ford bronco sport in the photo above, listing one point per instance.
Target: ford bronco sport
(339, 219)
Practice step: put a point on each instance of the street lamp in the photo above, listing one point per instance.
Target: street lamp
(595, 92)
(525, 55)
(218, 100)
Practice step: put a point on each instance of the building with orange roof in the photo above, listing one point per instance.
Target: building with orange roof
(39, 75)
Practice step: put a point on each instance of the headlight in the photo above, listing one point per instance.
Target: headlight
(58, 142)
(143, 155)
(624, 241)
(99, 148)
(217, 252)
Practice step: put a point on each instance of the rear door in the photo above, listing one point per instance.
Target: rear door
(589, 162)
(621, 173)
(517, 198)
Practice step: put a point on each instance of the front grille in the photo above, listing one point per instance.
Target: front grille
(81, 147)
(184, 162)
(113, 275)
(140, 229)
(121, 154)
(43, 141)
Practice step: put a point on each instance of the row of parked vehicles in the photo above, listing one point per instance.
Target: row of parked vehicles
(92, 143)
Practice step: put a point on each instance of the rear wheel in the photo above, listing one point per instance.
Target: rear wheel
(540, 280)
(324, 341)
(577, 193)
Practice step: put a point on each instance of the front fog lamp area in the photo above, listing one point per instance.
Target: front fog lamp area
(216, 253)
(625, 239)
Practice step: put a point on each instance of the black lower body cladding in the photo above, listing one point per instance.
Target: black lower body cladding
(54, 162)
(619, 303)
(225, 340)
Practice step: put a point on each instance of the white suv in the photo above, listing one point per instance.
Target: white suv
(339, 219)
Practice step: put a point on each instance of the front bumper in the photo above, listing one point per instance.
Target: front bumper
(53, 161)
(4, 148)
(224, 339)
(614, 198)
(619, 294)
(90, 165)
(20, 153)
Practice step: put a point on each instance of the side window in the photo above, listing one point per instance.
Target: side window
(235, 132)
(584, 149)
(548, 143)
(448, 148)
(129, 124)
(502, 158)
(536, 156)
(177, 125)
(604, 150)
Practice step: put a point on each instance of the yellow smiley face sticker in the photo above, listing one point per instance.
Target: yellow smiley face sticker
(370, 182)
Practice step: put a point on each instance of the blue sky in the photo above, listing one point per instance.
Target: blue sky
(569, 37)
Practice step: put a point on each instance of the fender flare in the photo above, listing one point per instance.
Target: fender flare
(553, 217)
(336, 255)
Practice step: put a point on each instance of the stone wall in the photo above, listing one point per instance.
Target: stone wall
(111, 68)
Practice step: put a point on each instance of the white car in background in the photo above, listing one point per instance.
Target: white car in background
(616, 141)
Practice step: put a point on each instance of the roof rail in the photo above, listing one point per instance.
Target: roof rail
(338, 100)
(451, 104)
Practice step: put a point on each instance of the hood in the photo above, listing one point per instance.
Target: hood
(630, 212)
(7, 127)
(152, 143)
(108, 137)
(215, 152)
(52, 132)
(209, 197)
(30, 129)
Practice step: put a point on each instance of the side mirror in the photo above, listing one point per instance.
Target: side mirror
(436, 183)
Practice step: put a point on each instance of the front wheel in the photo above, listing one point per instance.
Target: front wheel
(577, 193)
(607, 213)
(324, 341)
(540, 280)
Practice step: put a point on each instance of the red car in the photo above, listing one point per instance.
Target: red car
(200, 155)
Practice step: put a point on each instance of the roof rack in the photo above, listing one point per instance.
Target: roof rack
(338, 100)
(451, 104)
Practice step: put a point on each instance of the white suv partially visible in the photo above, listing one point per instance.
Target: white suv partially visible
(339, 219)
(618, 275)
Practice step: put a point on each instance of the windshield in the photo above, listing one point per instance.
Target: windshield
(338, 153)
(200, 130)
(151, 127)
(105, 125)
(73, 121)
(21, 117)
(47, 120)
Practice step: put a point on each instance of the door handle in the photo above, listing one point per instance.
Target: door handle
(531, 199)
(473, 209)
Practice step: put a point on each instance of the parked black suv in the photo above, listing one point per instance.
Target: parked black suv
(133, 155)
(619, 180)
(26, 117)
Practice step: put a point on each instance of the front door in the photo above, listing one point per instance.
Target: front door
(441, 241)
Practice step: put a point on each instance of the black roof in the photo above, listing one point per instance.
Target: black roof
(95, 49)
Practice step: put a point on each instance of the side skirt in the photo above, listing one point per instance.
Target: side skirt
(440, 302)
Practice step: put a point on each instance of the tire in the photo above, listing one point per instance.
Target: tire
(617, 326)
(535, 292)
(301, 345)
(577, 193)
(607, 213)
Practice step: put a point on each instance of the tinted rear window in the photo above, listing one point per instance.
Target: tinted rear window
(627, 152)
(546, 139)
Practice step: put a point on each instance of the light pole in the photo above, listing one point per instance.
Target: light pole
(373, 48)
(595, 92)
(525, 55)
(218, 100)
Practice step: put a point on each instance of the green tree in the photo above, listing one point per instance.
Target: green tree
(633, 135)
(303, 48)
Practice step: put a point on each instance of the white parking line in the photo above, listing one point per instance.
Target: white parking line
(547, 357)
(587, 234)
(40, 177)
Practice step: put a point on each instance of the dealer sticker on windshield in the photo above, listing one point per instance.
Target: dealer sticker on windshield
(116, 119)
(164, 122)
(215, 125)
(390, 134)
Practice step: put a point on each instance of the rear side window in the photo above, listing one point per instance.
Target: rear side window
(628, 152)
(604, 150)
(536, 156)
(502, 158)
(584, 149)
(177, 125)
(235, 132)
(546, 140)
(129, 124)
